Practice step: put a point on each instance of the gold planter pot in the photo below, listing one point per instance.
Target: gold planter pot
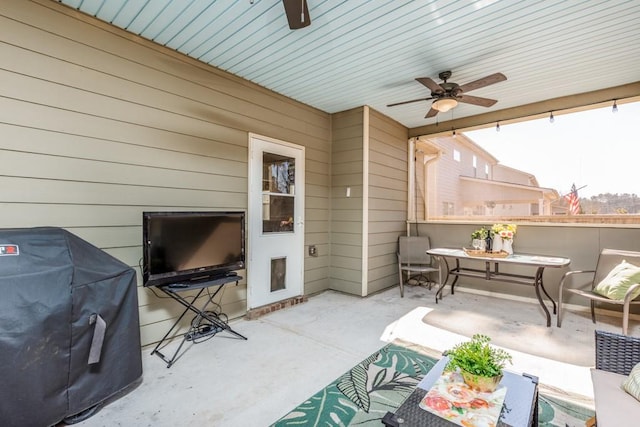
(480, 383)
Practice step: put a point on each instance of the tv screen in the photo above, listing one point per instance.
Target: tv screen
(183, 247)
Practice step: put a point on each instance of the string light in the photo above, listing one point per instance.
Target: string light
(454, 133)
(615, 106)
(551, 118)
(497, 126)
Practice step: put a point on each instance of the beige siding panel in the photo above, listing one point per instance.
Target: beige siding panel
(385, 227)
(378, 181)
(31, 190)
(385, 249)
(320, 191)
(316, 238)
(24, 139)
(314, 287)
(55, 121)
(386, 204)
(347, 212)
(346, 180)
(388, 215)
(347, 156)
(315, 275)
(349, 287)
(348, 275)
(346, 215)
(382, 284)
(354, 228)
(317, 215)
(31, 165)
(315, 226)
(387, 193)
(346, 262)
(99, 126)
(352, 239)
(350, 168)
(316, 262)
(383, 260)
(347, 251)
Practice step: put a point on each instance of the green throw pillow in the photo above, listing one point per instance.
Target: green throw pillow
(632, 384)
(618, 281)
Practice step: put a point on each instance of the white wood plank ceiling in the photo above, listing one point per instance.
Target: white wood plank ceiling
(369, 52)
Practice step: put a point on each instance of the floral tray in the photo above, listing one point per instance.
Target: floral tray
(485, 254)
(453, 400)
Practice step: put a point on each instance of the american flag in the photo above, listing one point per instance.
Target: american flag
(573, 201)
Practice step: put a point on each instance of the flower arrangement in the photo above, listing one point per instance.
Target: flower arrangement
(504, 231)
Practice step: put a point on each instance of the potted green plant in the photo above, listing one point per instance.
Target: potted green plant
(480, 233)
(480, 364)
(478, 238)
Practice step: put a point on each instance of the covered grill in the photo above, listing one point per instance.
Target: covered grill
(69, 327)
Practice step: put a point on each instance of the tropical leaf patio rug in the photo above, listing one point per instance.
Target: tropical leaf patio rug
(381, 382)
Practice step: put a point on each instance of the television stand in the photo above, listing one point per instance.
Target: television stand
(206, 323)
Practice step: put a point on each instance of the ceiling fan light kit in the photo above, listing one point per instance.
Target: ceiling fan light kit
(444, 104)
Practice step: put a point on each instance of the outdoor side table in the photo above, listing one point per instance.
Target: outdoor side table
(520, 407)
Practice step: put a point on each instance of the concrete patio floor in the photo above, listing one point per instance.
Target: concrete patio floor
(292, 353)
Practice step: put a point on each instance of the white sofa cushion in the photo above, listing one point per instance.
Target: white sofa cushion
(614, 406)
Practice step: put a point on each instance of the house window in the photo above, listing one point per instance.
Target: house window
(456, 155)
(486, 170)
(447, 208)
(475, 165)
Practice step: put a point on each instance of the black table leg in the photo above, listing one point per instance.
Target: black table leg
(537, 284)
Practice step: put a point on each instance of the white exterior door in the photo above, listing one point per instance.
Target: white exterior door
(275, 268)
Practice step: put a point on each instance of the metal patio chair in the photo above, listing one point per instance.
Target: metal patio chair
(413, 261)
(608, 259)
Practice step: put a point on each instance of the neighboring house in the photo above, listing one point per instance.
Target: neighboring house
(460, 178)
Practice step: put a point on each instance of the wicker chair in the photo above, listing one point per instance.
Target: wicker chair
(413, 260)
(616, 355)
(608, 259)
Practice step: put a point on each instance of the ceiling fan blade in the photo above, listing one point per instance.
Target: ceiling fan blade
(409, 102)
(431, 113)
(476, 100)
(485, 81)
(297, 13)
(433, 86)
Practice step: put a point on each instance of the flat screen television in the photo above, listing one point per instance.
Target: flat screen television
(186, 247)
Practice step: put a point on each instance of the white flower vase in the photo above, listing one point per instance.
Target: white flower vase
(497, 244)
(507, 246)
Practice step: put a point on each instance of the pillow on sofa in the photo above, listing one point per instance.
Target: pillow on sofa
(618, 281)
(632, 384)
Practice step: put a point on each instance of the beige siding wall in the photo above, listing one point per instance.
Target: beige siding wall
(387, 207)
(98, 126)
(346, 212)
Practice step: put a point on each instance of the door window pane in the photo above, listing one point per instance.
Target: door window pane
(278, 193)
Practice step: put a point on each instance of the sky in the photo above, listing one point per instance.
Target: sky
(597, 150)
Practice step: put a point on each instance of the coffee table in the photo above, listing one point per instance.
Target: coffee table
(520, 407)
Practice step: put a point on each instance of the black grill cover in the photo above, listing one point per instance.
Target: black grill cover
(56, 291)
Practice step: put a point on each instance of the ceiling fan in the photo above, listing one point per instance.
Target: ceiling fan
(297, 13)
(447, 95)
